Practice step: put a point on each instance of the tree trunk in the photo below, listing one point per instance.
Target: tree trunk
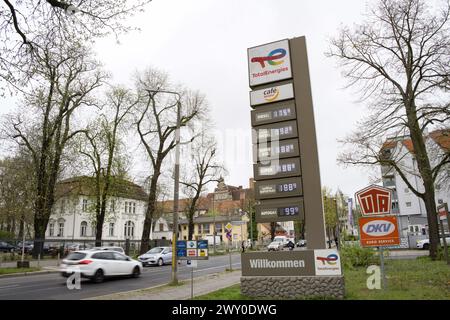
(191, 225)
(273, 226)
(423, 164)
(433, 228)
(145, 240)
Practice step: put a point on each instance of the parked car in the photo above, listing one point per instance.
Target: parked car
(275, 246)
(29, 245)
(7, 247)
(69, 247)
(117, 249)
(99, 264)
(283, 239)
(156, 256)
(301, 243)
(425, 243)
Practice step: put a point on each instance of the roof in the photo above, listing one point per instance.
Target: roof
(85, 186)
(441, 137)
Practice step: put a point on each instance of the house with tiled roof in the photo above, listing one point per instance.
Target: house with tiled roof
(74, 211)
(411, 209)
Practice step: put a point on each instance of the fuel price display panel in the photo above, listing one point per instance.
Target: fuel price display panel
(280, 210)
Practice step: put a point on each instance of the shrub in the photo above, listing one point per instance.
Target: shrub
(355, 256)
(5, 235)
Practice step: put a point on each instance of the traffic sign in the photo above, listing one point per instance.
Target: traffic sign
(379, 231)
(443, 212)
(374, 200)
(229, 235)
(228, 227)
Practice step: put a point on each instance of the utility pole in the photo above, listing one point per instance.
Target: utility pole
(176, 186)
(176, 194)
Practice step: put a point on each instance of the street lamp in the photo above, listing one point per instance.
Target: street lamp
(176, 185)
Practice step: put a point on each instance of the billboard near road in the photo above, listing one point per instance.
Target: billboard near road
(269, 63)
(379, 231)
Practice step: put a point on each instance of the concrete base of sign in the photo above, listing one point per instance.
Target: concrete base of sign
(294, 287)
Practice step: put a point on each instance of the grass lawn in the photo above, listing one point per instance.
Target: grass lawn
(419, 279)
(17, 270)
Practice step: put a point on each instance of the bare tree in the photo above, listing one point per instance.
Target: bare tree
(22, 22)
(65, 78)
(398, 59)
(103, 150)
(156, 124)
(201, 171)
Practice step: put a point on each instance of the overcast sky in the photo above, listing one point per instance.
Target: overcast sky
(203, 45)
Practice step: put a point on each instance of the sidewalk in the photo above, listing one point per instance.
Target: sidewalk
(202, 285)
(33, 263)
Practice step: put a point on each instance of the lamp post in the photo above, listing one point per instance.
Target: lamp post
(338, 232)
(176, 185)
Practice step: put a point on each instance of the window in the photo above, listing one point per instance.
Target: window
(408, 204)
(111, 229)
(120, 257)
(219, 227)
(83, 229)
(161, 227)
(113, 206)
(130, 207)
(51, 229)
(206, 228)
(61, 228)
(129, 229)
(85, 205)
(394, 205)
(184, 228)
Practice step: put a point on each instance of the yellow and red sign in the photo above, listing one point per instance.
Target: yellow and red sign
(379, 231)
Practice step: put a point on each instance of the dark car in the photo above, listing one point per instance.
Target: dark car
(28, 246)
(7, 247)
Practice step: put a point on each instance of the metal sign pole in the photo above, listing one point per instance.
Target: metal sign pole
(383, 276)
(192, 283)
(444, 240)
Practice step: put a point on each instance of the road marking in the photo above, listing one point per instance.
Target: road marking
(9, 287)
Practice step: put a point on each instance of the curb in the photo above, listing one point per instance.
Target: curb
(186, 281)
(34, 273)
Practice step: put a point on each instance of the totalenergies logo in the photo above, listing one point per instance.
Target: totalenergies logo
(271, 94)
(330, 259)
(272, 58)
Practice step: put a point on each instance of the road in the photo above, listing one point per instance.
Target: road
(51, 286)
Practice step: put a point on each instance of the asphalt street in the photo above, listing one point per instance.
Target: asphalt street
(53, 286)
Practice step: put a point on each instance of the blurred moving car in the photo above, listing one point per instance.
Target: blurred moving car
(99, 264)
(7, 247)
(275, 246)
(117, 249)
(425, 243)
(156, 256)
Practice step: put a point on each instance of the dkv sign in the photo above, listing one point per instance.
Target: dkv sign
(379, 231)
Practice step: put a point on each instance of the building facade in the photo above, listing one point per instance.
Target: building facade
(74, 211)
(410, 208)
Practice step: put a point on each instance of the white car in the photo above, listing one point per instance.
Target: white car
(117, 249)
(275, 246)
(156, 256)
(425, 243)
(99, 264)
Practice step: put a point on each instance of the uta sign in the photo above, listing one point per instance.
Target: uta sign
(374, 200)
